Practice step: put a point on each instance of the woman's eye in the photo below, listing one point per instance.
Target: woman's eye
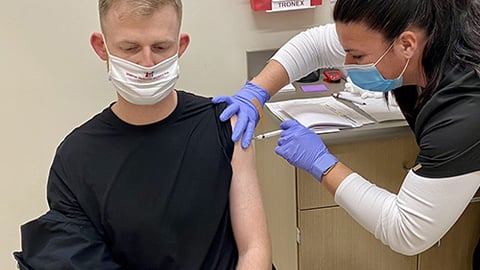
(357, 57)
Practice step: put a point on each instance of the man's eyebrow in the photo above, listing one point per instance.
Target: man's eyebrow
(127, 42)
(163, 42)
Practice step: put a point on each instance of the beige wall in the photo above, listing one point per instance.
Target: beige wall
(51, 81)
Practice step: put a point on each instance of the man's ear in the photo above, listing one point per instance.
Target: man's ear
(409, 43)
(183, 44)
(98, 45)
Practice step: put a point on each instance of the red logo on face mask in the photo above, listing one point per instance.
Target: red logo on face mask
(148, 74)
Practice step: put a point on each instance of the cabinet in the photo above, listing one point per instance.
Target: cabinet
(329, 237)
(309, 231)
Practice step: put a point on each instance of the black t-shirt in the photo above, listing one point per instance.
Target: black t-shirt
(140, 197)
(447, 127)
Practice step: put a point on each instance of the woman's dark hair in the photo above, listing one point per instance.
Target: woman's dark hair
(452, 28)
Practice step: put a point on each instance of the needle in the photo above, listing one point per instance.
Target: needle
(268, 134)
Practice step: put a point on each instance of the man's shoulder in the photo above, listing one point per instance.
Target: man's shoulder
(194, 101)
(78, 135)
(187, 95)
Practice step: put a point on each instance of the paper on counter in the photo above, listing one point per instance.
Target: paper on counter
(276, 109)
(322, 115)
(377, 108)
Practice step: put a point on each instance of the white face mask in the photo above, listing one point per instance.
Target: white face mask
(143, 85)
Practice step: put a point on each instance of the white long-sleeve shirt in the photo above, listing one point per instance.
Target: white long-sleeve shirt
(314, 48)
(417, 217)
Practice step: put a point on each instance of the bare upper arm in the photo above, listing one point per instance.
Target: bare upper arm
(247, 212)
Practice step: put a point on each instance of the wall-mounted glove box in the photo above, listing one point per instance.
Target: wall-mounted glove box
(282, 5)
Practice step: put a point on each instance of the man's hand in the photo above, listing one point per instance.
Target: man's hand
(243, 105)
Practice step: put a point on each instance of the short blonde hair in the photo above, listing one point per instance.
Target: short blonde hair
(139, 7)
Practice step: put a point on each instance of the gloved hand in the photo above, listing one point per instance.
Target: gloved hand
(241, 104)
(304, 149)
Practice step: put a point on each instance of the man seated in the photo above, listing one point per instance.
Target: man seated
(154, 180)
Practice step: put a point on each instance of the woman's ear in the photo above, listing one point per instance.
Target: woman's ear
(408, 41)
(183, 44)
(98, 44)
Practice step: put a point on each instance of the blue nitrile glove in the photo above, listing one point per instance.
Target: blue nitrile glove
(304, 149)
(242, 105)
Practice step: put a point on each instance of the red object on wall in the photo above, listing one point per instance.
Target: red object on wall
(264, 5)
(259, 5)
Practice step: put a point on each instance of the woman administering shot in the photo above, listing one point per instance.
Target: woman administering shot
(428, 54)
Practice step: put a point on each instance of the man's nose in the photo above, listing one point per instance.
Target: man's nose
(146, 58)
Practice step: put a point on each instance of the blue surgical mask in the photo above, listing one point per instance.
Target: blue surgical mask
(369, 78)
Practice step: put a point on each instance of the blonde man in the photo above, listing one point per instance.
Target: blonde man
(153, 181)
